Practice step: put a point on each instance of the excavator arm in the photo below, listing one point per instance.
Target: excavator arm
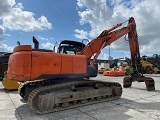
(109, 36)
(134, 50)
(135, 64)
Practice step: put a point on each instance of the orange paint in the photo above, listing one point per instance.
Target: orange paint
(29, 65)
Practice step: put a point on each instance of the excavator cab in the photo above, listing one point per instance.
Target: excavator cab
(70, 47)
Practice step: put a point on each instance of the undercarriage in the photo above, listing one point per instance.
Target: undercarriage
(47, 98)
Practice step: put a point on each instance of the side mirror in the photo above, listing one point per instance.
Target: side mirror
(18, 43)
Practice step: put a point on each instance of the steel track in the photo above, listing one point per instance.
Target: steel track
(51, 106)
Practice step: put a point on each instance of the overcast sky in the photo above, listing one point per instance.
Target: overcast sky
(54, 20)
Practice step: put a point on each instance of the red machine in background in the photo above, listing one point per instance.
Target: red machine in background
(115, 70)
(56, 81)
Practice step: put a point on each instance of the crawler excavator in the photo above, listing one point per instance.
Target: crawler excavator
(54, 81)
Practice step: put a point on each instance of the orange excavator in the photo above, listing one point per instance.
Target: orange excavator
(54, 81)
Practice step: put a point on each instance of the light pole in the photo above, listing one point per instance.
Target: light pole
(109, 56)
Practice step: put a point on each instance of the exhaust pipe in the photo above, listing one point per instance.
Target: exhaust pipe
(36, 43)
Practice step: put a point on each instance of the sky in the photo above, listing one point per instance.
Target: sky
(54, 20)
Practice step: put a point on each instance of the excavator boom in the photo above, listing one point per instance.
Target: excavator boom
(104, 39)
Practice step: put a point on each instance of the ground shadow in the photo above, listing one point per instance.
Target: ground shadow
(112, 109)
